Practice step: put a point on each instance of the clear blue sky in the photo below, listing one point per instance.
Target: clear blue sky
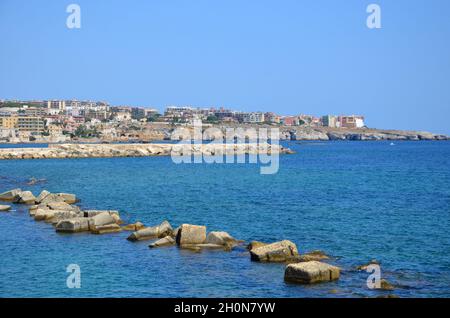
(314, 57)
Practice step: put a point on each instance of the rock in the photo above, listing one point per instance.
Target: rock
(80, 224)
(62, 206)
(33, 181)
(59, 197)
(311, 272)
(205, 246)
(385, 285)
(54, 215)
(104, 229)
(388, 296)
(100, 220)
(91, 213)
(148, 233)
(4, 208)
(68, 197)
(191, 234)
(255, 244)
(221, 239)
(9, 195)
(42, 196)
(175, 232)
(364, 267)
(165, 241)
(276, 252)
(312, 256)
(25, 197)
(133, 227)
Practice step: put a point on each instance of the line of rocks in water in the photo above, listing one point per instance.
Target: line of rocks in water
(61, 151)
(59, 209)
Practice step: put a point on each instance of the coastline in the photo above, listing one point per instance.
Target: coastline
(301, 133)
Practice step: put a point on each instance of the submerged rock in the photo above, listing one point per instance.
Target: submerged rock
(10, 195)
(311, 272)
(312, 256)
(385, 285)
(276, 252)
(25, 197)
(365, 266)
(165, 241)
(191, 234)
(4, 208)
(148, 233)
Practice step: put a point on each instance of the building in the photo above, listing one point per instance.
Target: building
(352, 121)
(56, 105)
(31, 124)
(290, 121)
(9, 121)
(329, 121)
(55, 130)
(253, 118)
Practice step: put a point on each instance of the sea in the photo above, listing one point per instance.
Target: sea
(356, 201)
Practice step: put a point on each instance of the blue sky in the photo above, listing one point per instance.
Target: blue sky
(313, 57)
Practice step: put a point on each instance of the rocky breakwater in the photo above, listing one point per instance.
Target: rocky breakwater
(60, 151)
(59, 209)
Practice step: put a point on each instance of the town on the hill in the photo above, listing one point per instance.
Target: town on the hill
(73, 120)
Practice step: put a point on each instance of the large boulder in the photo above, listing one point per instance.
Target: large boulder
(276, 252)
(221, 238)
(59, 197)
(165, 241)
(91, 213)
(54, 215)
(4, 208)
(107, 228)
(191, 234)
(25, 197)
(42, 196)
(62, 206)
(73, 225)
(255, 244)
(311, 272)
(133, 227)
(148, 233)
(101, 219)
(68, 197)
(9, 195)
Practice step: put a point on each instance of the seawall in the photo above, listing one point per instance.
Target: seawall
(61, 151)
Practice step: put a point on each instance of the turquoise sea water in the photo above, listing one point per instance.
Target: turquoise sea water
(355, 200)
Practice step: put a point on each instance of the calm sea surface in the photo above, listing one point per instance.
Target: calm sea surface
(356, 201)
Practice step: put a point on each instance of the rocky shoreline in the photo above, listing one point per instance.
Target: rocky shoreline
(62, 212)
(61, 151)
